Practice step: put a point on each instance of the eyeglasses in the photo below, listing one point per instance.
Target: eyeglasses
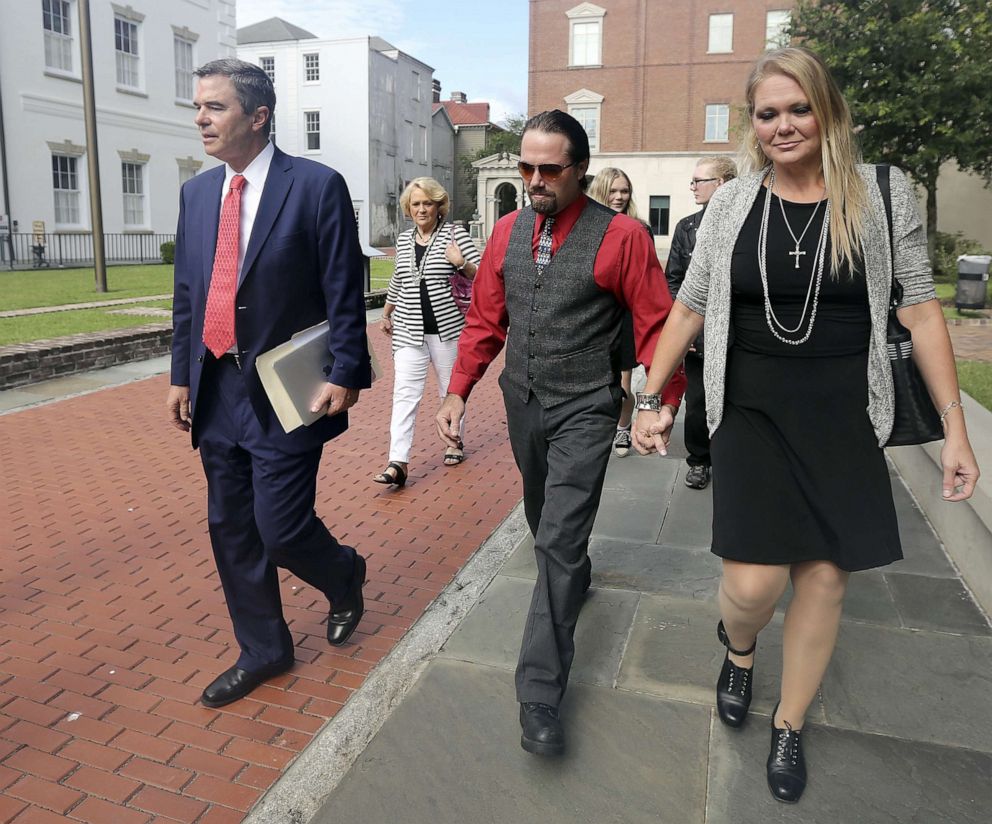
(549, 171)
(697, 180)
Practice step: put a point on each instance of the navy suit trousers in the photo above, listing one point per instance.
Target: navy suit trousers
(261, 516)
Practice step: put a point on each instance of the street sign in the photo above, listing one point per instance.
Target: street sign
(38, 232)
(4, 223)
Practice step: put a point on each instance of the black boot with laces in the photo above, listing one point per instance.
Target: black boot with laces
(786, 764)
(733, 687)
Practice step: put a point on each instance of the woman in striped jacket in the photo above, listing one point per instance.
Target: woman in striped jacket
(421, 315)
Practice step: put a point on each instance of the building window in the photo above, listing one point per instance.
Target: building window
(776, 26)
(65, 185)
(58, 34)
(717, 123)
(311, 68)
(721, 33)
(126, 44)
(423, 144)
(133, 188)
(312, 128)
(588, 116)
(272, 127)
(586, 41)
(416, 85)
(268, 65)
(186, 173)
(658, 214)
(408, 138)
(585, 35)
(184, 68)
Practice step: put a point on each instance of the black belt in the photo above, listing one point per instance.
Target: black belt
(232, 358)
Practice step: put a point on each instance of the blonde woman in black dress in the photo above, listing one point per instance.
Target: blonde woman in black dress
(792, 270)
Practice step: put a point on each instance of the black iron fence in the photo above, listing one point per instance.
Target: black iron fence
(24, 250)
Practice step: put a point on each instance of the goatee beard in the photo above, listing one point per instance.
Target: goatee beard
(544, 206)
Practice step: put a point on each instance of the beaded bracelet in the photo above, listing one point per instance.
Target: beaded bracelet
(948, 408)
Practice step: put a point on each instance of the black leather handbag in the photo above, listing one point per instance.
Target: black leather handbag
(916, 420)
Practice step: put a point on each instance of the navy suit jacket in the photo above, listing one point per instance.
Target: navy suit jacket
(303, 265)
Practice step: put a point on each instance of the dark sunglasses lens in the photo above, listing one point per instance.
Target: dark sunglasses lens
(549, 171)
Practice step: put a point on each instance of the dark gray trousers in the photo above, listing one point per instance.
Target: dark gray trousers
(562, 453)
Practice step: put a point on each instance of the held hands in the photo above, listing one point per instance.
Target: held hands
(449, 419)
(387, 324)
(178, 408)
(652, 430)
(334, 399)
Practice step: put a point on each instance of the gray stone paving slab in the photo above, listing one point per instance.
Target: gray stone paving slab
(600, 635)
(941, 604)
(854, 779)
(630, 759)
(689, 522)
(673, 652)
(868, 600)
(630, 518)
(646, 478)
(928, 686)
(690, 573)
(923, 552)
(521, 564)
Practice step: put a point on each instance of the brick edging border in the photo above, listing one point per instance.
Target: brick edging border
(25, 363)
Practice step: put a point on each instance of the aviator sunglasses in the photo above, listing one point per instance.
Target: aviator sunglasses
(549, 171)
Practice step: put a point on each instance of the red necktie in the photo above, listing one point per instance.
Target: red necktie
(218, 322)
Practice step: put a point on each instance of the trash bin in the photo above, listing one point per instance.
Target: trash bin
(973, 279)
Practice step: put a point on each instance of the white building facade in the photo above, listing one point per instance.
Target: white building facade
(358, 105)
(144, 54)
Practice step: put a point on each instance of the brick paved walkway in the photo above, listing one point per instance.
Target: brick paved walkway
(972, 342)
(113, 620)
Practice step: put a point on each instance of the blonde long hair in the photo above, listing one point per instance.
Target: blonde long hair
(599, 189)
(839, 149)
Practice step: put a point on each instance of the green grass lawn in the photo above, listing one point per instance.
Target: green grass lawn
(56, 324)
(381, 272)
(29, 288)
(975, 378)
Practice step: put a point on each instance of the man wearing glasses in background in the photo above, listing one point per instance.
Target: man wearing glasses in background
(552, 286)
(708, 176)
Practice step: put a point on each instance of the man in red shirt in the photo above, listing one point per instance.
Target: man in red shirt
(553, 284)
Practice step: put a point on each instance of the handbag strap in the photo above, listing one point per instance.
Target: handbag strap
(882, 175)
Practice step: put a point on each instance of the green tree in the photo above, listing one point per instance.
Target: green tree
(505, 138)
(917, 77)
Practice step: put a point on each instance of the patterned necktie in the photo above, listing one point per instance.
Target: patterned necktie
(218, 322)
(544, 245)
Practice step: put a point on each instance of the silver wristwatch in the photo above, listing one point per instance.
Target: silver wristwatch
(649, 403)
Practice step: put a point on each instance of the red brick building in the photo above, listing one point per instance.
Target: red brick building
(657, 83)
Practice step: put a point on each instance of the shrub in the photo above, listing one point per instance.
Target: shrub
(947, 248)
(168, 250)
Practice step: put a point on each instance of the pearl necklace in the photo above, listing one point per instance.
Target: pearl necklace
(816, 276)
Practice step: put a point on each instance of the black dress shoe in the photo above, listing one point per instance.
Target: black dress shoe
(786, 764)
(733, 687)
(236, 683)
(342, 621)
(542, 731)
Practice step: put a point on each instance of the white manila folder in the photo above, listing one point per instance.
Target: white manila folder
(294, 372)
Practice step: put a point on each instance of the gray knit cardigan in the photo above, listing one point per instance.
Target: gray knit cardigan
(706, 289)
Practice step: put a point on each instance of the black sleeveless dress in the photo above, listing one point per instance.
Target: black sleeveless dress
(797, 471)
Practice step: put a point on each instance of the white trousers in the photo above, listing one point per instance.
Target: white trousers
(409, 377)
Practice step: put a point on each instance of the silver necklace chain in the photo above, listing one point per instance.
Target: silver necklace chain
(788, 226)
(816, 276)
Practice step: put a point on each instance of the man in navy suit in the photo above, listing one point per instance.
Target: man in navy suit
(267, 245)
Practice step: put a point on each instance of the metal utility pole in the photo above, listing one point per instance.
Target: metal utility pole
(92, 154)
(9, 239)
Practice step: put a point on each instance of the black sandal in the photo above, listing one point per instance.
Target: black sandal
(733, 687)
(451, 459)
(399, 479)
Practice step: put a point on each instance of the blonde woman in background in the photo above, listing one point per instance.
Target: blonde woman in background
(421, 316)
(612, 188)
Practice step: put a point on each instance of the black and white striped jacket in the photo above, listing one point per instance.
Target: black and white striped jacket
(404, 286)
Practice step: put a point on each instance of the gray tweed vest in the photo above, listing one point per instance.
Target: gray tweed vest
(564, 334)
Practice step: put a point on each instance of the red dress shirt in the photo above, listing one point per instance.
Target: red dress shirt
(626, 265)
